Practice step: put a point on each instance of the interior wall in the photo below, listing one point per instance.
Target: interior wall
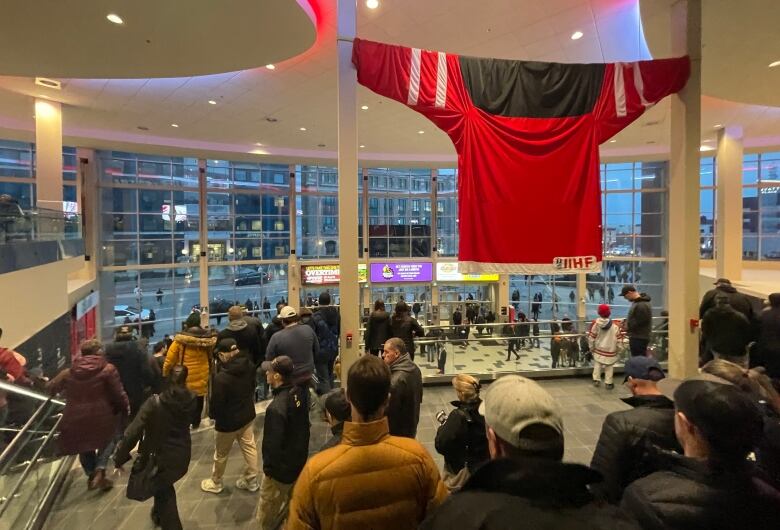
(33, 298)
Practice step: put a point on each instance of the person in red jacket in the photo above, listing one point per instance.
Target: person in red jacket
(13, 364)
(95, 409)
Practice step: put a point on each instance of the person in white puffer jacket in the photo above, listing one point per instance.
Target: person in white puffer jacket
(603, 338)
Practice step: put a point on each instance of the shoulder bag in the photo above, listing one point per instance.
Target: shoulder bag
(141, 483)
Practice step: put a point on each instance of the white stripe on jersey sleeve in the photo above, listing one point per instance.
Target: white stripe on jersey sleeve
(414, 77)
(441, 81)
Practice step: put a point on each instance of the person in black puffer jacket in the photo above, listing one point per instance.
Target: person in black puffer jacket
(233, 410)
(377, 329)
(737, 300)
(713, 485)
(132, 363)
(165, 420)
(625, 435)
(768, 348)
(461, 438)
(405, 328)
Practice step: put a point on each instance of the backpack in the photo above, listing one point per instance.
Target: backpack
(329, 341)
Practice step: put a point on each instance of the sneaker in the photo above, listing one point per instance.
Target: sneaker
(248, 485)
(211, 486)
(596, 383)
(609, 386)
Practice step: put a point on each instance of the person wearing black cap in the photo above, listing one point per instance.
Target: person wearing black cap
(625, 434)
(639, 322)
(337, 411)
(285, 441)
(714, 485)
(737, 300)
(233, 410)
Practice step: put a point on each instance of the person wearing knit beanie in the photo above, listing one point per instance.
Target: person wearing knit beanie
(604, 311)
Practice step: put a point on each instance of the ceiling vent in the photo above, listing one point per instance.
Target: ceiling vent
(269, 119)
(48, 83)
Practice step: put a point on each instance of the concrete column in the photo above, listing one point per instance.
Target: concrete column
(435, 317)
(728, 218)
(293, 271)
(48, 154)
(683, 264)
(203, 236)
(349, 291)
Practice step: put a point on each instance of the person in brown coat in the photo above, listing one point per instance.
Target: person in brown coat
(95, 409)
(371, 479)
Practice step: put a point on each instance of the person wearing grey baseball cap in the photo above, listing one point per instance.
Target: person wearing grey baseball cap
(525, 483)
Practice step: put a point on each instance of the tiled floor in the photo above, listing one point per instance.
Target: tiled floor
(584, 408)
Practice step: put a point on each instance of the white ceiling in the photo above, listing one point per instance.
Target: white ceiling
(301, 92)
(156, 39)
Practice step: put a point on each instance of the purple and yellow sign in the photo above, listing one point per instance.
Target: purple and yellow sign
(410, 271)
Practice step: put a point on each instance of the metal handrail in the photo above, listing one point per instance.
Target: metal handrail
(5, 502)
(11, 450)
(22, 391)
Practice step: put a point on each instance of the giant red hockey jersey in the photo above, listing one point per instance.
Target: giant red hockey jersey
(527, 136)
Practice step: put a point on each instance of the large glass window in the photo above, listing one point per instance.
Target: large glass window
(634, 206)
(399, 212)
(707, 208)
(317, 209)
(447, 212)
(761, 206)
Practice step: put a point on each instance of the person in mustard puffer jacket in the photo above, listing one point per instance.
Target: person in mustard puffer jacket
(193, 349)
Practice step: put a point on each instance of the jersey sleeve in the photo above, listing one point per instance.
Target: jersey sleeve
(630, 88)
(429, 82)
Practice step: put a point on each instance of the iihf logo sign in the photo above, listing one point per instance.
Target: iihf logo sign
(575, 263)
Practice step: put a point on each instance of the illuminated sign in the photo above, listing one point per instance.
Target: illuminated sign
(448, 272)
(327, 274)
(401, 272)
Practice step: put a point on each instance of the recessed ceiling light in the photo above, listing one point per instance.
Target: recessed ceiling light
(706, 148)
(116, 19)
(364, 107)
(258, 144)
(362, 146)
(175, 125)
(612, 141)
(372, 4)
(576, 35)
(420, 132)
(717, 126)
(776, 63)
(302, 129)
(212, 102)
(270, 67)
(48, 83)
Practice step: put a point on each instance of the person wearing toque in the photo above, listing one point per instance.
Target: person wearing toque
(233, 410)
(625, 434)
(525, 483)
(714, 483)
(639, 322)
(285, 441)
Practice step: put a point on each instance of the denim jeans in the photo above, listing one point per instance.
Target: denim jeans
(91, 461)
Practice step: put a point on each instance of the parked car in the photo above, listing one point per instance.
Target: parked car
(124, 312)
(252, 278)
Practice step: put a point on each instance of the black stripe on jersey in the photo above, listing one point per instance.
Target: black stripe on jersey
(531, 89)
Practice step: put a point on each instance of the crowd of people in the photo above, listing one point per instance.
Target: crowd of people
(703, 452)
